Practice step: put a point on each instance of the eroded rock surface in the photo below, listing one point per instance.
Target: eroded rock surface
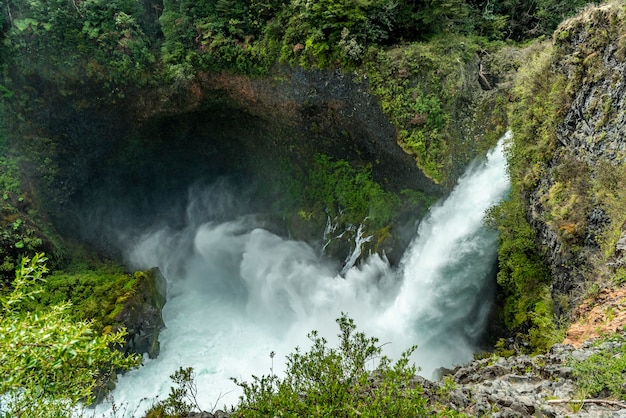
(522, 386)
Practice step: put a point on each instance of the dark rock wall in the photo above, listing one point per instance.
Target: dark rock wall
(102, 165)
(305, 111)
(572, 206)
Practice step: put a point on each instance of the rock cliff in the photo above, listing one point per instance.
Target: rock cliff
(571, 152)
(522, 386)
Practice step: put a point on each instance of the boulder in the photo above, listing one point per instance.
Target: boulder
(141, 314)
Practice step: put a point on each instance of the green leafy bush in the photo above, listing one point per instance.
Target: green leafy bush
(182, 399)
(603, 372)
(528, 19)
(353, 379)
(49, 361)
(338, 382)
(102, 39)
(524, 278)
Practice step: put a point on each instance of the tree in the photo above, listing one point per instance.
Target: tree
(48, 361)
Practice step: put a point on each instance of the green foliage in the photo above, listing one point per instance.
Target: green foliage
(16, 239)
(351, 193)
(49, 361)
(542, 98)
(528, 19)
(620, 276)
(102, 39)
(4, 94)
(9, 178)
(327, 32)
(524, 278)
(252, 35)
(610, 195)
(116, 42)
(18, 233)
(216, 35)
(418, 86)
(182, 399)
(565, 186)
(97, 293)
(603, 372)
(337, 382)
(568, 201)
(8, 167)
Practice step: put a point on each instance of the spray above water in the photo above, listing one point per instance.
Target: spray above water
(444, 300)
(237, 292)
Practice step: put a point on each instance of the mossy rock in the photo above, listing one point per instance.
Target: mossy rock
(140, 312)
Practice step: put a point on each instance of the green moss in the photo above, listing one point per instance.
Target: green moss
(96, 290)
(417, 85)
(148, 280)
(349, 195)
(541, 100)
(130, 284)
(568, 201)
(116, 310)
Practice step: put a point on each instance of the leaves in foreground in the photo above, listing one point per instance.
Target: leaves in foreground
(338, 382)
(49, 362)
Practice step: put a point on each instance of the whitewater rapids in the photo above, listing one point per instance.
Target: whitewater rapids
(237, 292)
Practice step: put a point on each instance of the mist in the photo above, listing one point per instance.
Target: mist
(237, 292)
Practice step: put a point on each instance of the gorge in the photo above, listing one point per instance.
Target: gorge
(238, 292)
(281, 164)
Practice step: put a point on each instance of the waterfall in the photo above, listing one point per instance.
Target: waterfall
(237, 292)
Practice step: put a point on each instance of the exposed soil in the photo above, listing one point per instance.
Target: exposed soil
(605, 313)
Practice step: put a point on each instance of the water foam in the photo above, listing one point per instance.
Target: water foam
(237, 292)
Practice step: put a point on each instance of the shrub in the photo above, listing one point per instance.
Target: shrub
(337, 382)
(50, 362)
(524, 278)
(603, 371)
(182, 398)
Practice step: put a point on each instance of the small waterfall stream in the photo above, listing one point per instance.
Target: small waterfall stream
(237, 292)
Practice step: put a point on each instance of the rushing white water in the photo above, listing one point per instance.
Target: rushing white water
(237, 292)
